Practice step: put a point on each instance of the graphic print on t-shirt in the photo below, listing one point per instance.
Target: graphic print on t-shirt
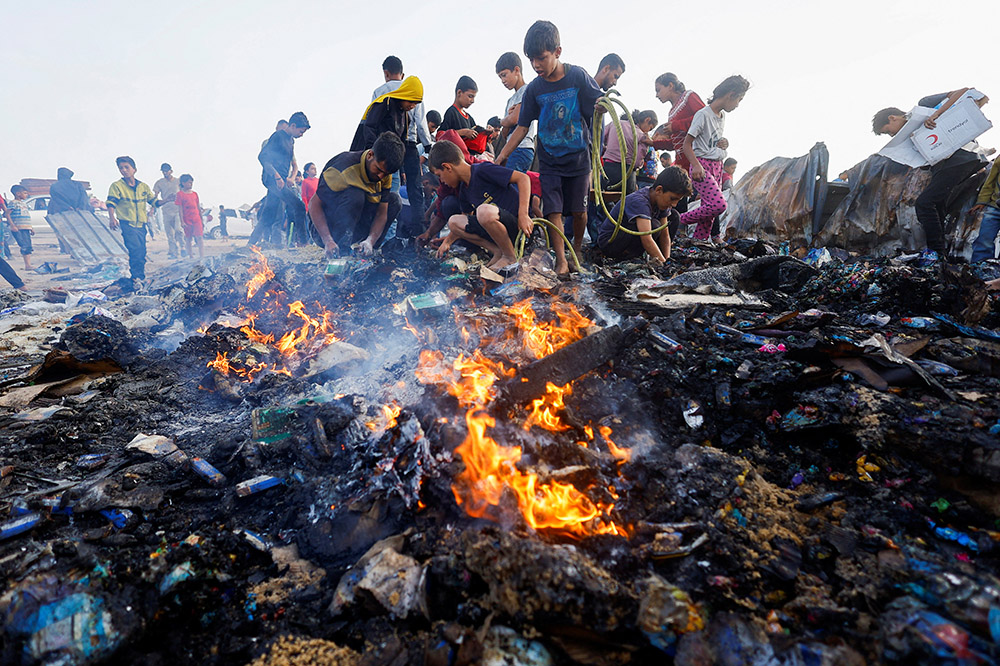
(560, 124)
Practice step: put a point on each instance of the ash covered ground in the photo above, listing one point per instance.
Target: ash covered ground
(757, 461)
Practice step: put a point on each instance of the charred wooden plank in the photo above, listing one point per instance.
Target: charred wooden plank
(572, 361)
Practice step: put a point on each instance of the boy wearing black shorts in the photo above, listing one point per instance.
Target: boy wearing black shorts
(494, 202)
(562, 99)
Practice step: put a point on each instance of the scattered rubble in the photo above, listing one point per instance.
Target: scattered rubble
(398, 462)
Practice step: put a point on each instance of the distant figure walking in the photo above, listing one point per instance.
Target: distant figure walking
(166, 188)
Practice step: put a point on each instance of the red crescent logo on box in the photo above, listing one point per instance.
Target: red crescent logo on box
(933, 138)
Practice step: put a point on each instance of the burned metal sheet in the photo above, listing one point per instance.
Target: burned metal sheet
(779, 199)
(88, 238)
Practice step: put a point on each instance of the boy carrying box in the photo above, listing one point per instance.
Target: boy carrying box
(561, 98)
(497, 197)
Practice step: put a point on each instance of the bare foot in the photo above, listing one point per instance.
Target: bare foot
(562, 268)
(506, 260)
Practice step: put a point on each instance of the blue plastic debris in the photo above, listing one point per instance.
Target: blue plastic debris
(969, 331)
(19, 525)
(937, 369)
(179, 574)
(74, 629)
(951, 534)
(256, 540)
(919, 322)
(118, 517)
(205, 470)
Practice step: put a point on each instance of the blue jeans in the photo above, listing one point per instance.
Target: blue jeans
(984, 247)
(520, 159)
(277, 203)
(135, 242)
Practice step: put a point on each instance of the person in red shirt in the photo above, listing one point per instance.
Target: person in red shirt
(190, 208)
(309, 183)
(670, 135)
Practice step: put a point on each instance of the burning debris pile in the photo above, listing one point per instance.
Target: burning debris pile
(735, 458)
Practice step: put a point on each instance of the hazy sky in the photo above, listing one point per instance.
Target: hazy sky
(201, 84)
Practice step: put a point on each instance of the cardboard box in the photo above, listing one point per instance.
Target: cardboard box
(957, 126)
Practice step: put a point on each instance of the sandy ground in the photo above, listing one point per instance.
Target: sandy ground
(46, 248)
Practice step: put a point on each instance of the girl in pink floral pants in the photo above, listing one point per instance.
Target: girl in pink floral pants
(705, 148)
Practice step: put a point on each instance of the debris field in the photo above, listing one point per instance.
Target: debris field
(739, 457)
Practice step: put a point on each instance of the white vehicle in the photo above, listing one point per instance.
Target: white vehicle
(39, 207)
(236, 225)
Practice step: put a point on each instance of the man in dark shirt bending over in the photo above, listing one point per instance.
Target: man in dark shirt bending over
(354, 202)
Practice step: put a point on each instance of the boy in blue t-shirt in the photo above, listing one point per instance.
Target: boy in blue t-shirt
(645, 209)
(561, 98)
(494, 201)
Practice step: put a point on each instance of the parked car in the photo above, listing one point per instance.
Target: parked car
(239, 223)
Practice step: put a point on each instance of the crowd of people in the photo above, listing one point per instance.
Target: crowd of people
(487, 182)
(412, 173)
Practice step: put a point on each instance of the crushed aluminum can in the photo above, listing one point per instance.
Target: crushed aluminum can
(19, 525)
(693, 416)
(205, 470)
(258, 484)
(256, 540)
(336, 267)
(271, 424)
(92, 460)
(663, 342)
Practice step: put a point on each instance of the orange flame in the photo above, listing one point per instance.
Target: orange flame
(622, 455)
(490, 468)
(389, 415)
(543, 338)
(222, 365)
(261, 273)
(545, 410)
(470, 379)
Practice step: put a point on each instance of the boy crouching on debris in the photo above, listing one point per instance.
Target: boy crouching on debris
(642, 207)
(354, 199)
(496, 198)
